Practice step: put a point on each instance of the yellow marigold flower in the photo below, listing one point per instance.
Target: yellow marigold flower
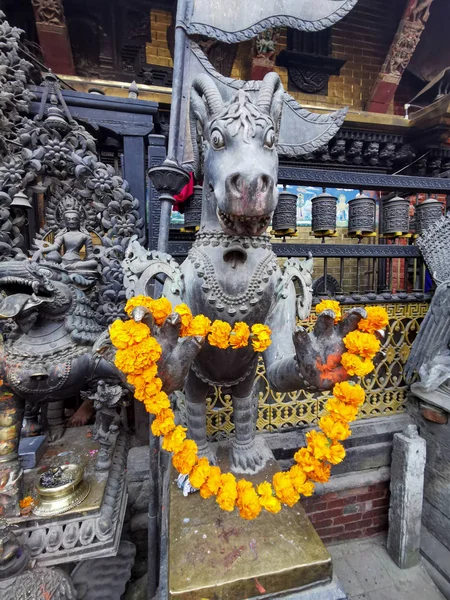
(365, 345)
(186, 317)
(186, 457)
(136, 301)
(220, 334)
(284, 489)
(173, 441)
(160, 310)
(377, 318)
(212, 484)
(239, 335)
(306, 460)
(330, 305)
(300, 481)
(341, 411)
(124, 360)
(247, 500)
(149, 373)
(124, 334)
(335, 430)
(266, 498)
(164, 422)
(200, 325)
(322, 473)
(318, 445)
(349, 392)
(355, 365)
(337, 453)
(227, 494)
(260, 337)
(200, 473)
(155, 404)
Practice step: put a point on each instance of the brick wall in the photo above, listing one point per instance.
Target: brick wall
(350, 514)
(157, 53)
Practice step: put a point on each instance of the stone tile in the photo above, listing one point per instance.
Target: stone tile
(347, 577)
(369, 571)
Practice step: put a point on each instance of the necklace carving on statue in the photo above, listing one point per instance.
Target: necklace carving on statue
(138, 353)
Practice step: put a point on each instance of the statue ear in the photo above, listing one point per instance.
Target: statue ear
(276, 108)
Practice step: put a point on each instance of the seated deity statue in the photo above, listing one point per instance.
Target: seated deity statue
(72, 239)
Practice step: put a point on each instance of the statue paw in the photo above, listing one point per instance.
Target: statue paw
(247, 458)
(208, 452)
(56, 433)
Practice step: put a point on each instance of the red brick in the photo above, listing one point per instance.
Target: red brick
(379, 486)
(375, 512)
(342, 502)
(381, 503)
(353, 492)
(381, 520)
(311, 507)
(322, 524)
(374, 530)
(360, 507)
(347, 519)
(326, 514)
(332, 530)
(358, 525)
(375, 495)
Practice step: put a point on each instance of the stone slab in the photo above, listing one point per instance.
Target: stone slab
(213, 553)
(328, 591)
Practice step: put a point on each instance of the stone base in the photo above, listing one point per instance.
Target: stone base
(213, 553)
(327, 591)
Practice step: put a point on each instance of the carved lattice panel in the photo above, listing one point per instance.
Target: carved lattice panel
(385, 388)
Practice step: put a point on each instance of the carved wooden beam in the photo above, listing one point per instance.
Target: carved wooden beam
(53, 36)
(402, 48)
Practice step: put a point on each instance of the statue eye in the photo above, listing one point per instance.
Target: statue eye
(269, 140)
(217, 140)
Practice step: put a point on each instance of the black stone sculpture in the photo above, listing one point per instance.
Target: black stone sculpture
(231, 272)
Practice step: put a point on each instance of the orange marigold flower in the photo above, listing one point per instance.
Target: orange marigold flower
(155, 404)
(334, 430)
(173, 441)
(200, 473)
(300, 481)
(200, 325)
(261, 337)
(322, 473)
(149, 373)
(341, 411)
(306, 460)
(318, 445)
(377, 318)
(160, 310)
(124, 334)
(26, 502)
(349, 392)
(186, 317)
(267, 499)
(186, 457)
(136, 301)
(220, 334)
(227, 494)
(239, 335)
(330, 305)
(355, 365)
(247, 500)
(365, 345)
(211, 485)
(337, 453)
(284, 488)
(164, 422)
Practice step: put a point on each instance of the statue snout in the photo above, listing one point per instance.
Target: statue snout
(250, 196)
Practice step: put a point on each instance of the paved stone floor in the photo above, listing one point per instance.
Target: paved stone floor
(366, 572)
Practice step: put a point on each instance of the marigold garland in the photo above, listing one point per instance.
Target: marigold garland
(138, 353)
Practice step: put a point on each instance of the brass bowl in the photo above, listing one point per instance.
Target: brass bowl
(61, 498)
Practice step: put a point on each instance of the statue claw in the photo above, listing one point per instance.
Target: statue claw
(208, 452)
(246, 458)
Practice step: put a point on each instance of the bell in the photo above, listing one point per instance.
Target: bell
(361, 215)
(20, 200)
(284, 220)
(324, 210)
(193, 210)
(427, 214)
(395, 222)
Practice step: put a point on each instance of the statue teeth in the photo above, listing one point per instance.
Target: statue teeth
(243, 308)
(220, 307)
(232, 311)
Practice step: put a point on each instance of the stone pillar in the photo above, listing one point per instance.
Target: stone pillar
(402, 48)
(405, 511)
(53, 36)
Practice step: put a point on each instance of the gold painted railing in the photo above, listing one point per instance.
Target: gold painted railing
(386, 389)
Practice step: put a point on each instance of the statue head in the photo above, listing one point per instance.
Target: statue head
(239, 141)
(72, 220)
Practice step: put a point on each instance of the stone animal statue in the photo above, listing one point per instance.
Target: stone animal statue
(232, 274)
(51, 354)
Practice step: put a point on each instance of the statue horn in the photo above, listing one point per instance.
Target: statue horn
(269, 86)
(204, 85)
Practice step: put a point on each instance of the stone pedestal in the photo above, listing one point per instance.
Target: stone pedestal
(213, 553)
(405, 512)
